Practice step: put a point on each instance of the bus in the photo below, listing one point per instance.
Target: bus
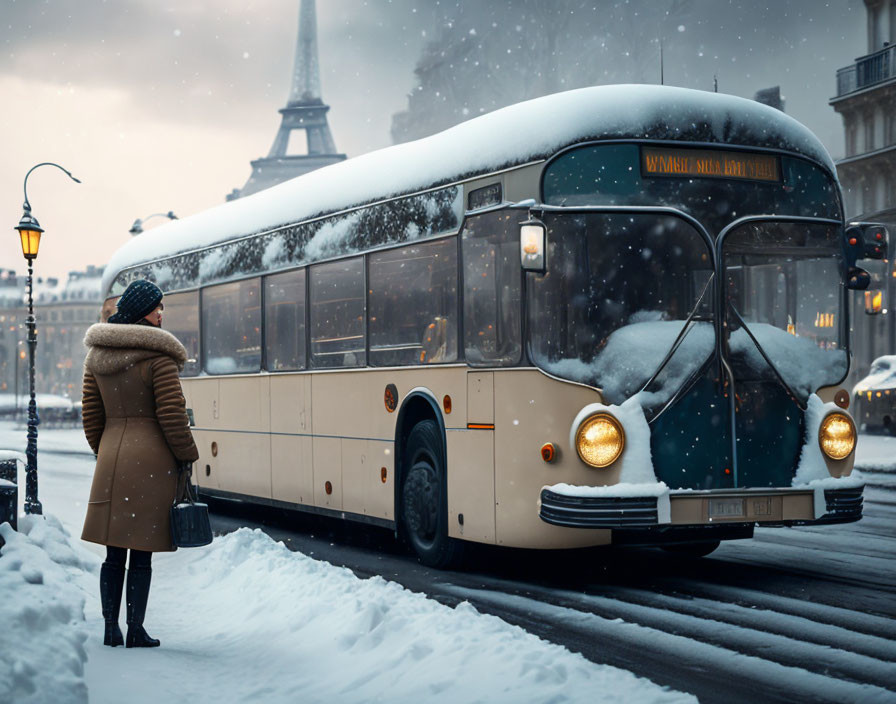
(614, 315)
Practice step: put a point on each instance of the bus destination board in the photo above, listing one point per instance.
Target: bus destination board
(707, 163)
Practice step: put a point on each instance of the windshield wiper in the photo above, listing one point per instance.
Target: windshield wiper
(684, 332)
(768, 361)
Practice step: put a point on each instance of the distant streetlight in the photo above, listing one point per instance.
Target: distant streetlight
(30, 232)
(137, 227)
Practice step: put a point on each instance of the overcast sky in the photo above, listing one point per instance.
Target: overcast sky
(159, 105)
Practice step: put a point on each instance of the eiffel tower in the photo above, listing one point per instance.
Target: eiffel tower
(303, 142)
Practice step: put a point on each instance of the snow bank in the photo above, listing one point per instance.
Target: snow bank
(43, 401)
(308, 631)
(513, 135)
(42, 615)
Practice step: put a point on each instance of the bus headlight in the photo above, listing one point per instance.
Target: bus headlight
(837, 436)
(600, 440)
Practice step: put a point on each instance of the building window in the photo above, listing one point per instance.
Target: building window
(231, 327)
(338, 314)
(413, 304)
(181, 319)
(284, 321)
(868, 126)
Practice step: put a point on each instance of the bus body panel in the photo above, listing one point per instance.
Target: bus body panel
(292, 476)
(471, 484)
(532, 409)
(244, 444)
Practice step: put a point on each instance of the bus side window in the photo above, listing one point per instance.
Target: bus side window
(338, 314)
(231, 325)
(284, 321)
(182, 321)
(492, 276)
(413, 304)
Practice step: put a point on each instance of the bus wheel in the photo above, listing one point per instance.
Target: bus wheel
(692, 549)
(423, 504)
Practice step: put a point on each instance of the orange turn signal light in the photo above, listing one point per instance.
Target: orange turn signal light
(841, 398)
(548, 452)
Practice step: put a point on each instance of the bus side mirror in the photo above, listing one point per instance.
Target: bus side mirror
(857, 279)
(533, 242)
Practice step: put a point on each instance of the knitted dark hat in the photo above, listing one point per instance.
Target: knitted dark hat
(138, 300)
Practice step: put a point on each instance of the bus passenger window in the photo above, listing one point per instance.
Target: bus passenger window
(181, 319)
(492, 275)
(338, 314)
(284, 321)
(231, 324)
(413, 304)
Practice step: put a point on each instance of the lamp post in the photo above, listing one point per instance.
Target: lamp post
(137, 227)
(20, 354)
(30, 232)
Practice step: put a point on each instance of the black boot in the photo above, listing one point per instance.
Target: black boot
(138, 594)
(111, 583)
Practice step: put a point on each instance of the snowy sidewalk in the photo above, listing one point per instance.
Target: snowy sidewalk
(247, 620)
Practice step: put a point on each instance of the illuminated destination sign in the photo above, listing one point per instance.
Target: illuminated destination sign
(706, 163)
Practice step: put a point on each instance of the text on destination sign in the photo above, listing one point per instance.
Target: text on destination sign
(705, 163)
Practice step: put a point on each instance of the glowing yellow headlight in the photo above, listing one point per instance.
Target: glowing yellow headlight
(600, 440)
(837, 436)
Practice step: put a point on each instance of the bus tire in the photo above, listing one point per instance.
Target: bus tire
(424, 506)
(701, 549)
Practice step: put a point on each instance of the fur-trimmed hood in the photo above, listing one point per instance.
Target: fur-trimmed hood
(112, 347)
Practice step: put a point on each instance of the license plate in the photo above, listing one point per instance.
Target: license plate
(726, 508)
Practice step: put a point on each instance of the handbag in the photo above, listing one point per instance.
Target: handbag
(190, 525)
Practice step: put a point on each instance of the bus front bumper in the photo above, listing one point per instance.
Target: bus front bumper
(767, 507)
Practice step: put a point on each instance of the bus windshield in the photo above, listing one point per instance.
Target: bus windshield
(785, 304)
(616, 300)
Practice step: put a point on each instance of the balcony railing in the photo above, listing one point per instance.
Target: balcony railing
(868, 70)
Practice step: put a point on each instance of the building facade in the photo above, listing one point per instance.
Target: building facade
(866, 100)
(64, 311)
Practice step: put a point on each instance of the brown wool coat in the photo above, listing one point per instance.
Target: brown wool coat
(135, 420)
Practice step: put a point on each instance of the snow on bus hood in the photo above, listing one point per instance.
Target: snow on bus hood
(634, 352)
(527, 131)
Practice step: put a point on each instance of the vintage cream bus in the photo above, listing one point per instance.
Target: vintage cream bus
(613, 315)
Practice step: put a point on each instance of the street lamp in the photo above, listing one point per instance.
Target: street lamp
(30, 232)
(137, 227)
(20, 355)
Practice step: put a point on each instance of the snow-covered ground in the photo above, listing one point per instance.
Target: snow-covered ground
(246, 619)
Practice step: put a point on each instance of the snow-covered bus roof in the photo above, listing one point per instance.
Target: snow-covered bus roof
(514, 135)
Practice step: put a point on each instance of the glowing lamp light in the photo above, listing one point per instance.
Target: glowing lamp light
(837, 436)
(30, 232)
(532, 241)
(600, 440)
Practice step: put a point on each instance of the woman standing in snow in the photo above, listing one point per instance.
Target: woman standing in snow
(135, 421)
